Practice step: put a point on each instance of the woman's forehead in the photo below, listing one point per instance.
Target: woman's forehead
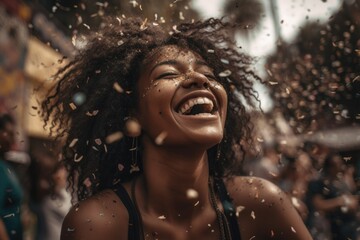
(171, 52)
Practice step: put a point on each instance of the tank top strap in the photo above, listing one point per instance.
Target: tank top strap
(229, 209)
(134, 217)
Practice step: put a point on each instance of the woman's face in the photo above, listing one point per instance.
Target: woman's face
(180, 101)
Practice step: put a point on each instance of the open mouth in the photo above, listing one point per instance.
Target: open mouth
(197, 106)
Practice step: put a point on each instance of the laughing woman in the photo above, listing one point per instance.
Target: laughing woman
(153, 124)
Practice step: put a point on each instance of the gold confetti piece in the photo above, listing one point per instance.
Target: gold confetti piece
(273, 83)
(210, 50)
(253, 214)
(120, 167)
(87, 182)
(78, 159)
(238, 210)
(162, 217)
(160, 138)
(225, 61)
(143, 25)
(9, 215)
(134, 168)
(73, 142)
(197, 203)
(72, 106)
(132, 127)
(105, 148)
(116, 136)
(93, 113)
(293, 229)
(192, 193)
(225, 73)
(98, 141)
(134, 3)
(175, 29)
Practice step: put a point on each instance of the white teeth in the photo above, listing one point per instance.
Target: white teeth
(193, 101)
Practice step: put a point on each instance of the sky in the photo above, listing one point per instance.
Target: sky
(292, 15)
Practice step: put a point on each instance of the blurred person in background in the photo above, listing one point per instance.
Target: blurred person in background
(294, 178)
(11, 193)
(49, 199)
(332, 195)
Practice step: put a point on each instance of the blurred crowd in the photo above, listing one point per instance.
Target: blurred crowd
(308, 144)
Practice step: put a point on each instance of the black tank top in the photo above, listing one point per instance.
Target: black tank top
(135, 230)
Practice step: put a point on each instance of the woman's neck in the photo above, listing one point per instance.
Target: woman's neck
(175, 182)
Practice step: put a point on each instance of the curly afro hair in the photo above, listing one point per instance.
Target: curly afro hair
(104, 77)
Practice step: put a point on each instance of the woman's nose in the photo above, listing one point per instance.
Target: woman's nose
(197, 80)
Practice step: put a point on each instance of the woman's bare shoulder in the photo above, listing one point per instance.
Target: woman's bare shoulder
(264, 210)
(102, 216)
(248, 189)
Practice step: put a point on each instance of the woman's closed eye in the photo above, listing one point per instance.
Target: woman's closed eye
(210, 76)
(167, 75)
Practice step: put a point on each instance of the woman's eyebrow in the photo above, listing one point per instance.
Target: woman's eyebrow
(167, 62)
(175, 63)
(201, 63)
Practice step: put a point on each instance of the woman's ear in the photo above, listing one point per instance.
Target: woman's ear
(132, 127)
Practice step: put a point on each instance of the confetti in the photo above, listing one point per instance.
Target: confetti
(238, 210)
(225, 73)
(77, 159)
(87, 182)
(9, 215)
(192, 193)
(134, 168)
(225, 61)
(79, 98)
(143, 25)
(116, 136)
(73, 142)
(98, 141)
(93, 113)
(253, 214)
(120, 167)
(72, 106)
(160, 138)
(132, 127)
(162, 217)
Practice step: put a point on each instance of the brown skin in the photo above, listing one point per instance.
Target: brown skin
(180, 163)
